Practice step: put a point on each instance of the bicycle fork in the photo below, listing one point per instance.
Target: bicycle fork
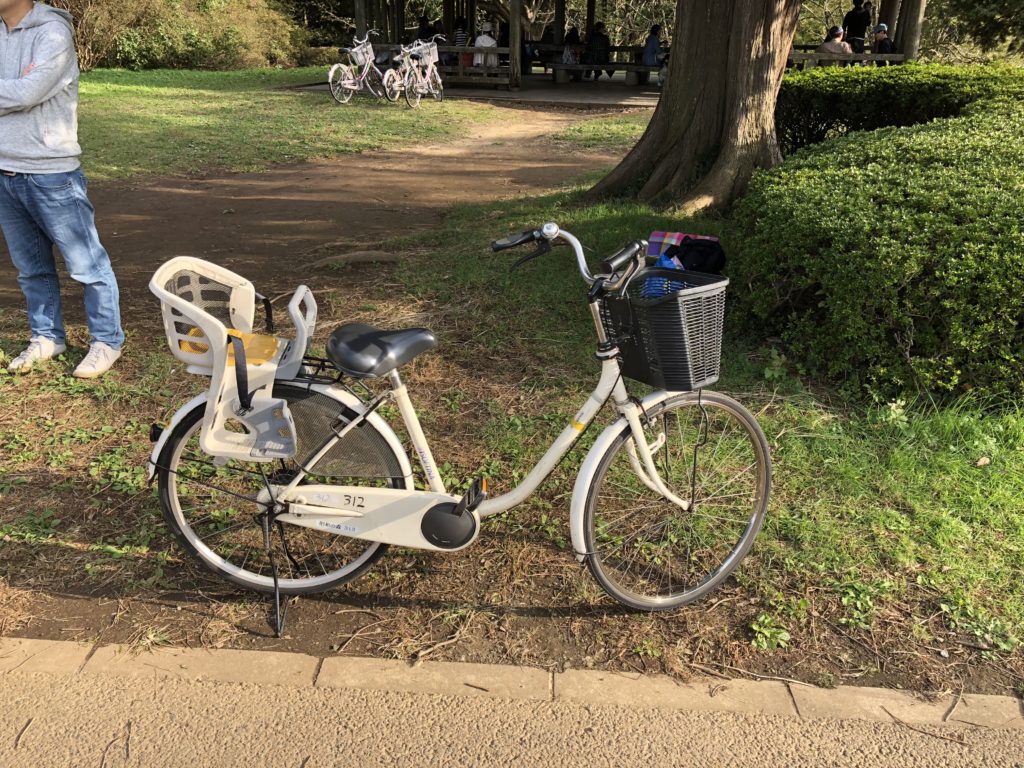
(641, 453)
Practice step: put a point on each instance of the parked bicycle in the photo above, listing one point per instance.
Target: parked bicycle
(362, 73)
(285, 478)
(416, 73)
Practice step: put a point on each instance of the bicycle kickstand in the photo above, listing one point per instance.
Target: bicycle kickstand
(280, 614)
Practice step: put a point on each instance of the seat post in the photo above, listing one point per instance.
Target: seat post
(412, 425)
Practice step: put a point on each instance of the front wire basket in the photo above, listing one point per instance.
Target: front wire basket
(427, 52)
(361, 54)
(668, 327)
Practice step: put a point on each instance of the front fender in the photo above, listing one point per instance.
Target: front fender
(585, 478)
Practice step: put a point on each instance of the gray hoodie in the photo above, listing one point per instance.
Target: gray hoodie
(39, 93)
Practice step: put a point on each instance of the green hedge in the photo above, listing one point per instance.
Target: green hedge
(827, 102)
(895, 258)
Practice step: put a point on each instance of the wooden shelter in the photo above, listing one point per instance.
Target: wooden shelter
(389, 16)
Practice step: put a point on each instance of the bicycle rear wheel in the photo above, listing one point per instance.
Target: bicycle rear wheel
(214, 508)
(342, 82)
(412, 86)
(647, 552)
(392, 85)
(374, 83)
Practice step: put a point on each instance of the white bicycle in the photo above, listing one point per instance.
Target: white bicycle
(415, 73)
(283, 479)
(345, 80)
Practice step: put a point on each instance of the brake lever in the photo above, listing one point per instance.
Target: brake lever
(544, 247)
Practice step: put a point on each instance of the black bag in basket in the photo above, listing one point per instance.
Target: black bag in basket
(699, 254)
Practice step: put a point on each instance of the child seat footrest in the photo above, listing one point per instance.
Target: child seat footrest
(243, 420)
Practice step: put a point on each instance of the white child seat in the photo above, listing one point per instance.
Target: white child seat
(208, 316)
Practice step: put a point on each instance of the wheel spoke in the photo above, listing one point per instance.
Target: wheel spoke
(650, 553)
(216, 510)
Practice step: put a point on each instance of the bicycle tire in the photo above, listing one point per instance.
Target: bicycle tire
(201, 526)
(411, 86)
(435, 84)
(340, 79)
(374, 82)
(733, 440)
(392, 84)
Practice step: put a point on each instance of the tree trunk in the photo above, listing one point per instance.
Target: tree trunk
(901, 24)
(360, 17)
(715, 123)
(888, 14)
(911, 34)
(515, 44)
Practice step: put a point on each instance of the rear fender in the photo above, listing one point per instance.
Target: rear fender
(345, 398)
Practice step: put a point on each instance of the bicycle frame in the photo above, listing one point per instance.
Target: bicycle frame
(383, 510)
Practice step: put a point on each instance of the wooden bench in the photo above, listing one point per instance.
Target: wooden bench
(459, 72)
(633, 71)
(809, 60)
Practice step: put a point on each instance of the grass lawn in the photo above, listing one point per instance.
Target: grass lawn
(894, 544)
(182, 122)
(890, 519)
(892, 551)
(614, 132)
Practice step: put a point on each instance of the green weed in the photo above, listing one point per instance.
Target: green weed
(768, 633)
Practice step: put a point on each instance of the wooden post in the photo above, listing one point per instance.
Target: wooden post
(515, 43)
(360, 18)
(471, 17)
(559, 22)
(399, 21)
(591, 17)
(448, 17)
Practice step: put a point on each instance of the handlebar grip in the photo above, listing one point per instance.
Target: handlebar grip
(512, 241)
(617, 261)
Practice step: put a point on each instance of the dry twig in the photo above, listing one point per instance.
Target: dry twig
(905, 724)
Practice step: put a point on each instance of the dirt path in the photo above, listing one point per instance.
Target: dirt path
(264, 221)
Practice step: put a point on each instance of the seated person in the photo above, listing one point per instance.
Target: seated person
(484, 40)
(883, 43)
(599, 50)
(834, 45)
(652, 48)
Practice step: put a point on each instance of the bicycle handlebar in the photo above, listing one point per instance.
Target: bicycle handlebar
(366, 38)
(514, 241)
(617, 261)
(629, 258)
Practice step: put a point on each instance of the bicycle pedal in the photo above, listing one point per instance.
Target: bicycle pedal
(473, 498)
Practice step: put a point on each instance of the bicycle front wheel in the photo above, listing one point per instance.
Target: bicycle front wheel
(392, 85)
(374, 83)
(412, 87)
(214, 508)
(342, 82)
(434, 84)
(647, 552)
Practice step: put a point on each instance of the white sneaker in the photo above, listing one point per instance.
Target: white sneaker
(39, 348)
(97, 362)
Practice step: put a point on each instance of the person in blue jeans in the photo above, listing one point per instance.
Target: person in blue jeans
(43, 199)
